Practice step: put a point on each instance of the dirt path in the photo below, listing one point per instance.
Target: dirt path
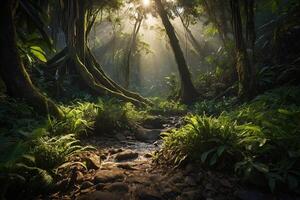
(123, 168)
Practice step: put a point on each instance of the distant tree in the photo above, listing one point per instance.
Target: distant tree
(244, 65)
(188, 92)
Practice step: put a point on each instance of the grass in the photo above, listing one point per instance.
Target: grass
(258, 141)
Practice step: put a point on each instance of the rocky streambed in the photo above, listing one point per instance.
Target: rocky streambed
(122, 168)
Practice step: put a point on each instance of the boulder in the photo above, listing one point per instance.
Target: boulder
(154, 122)
(147, 135)
(107, 176)
(126, 155)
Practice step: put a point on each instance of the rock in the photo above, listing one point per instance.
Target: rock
(154, 123)
(117, 187)
(98, 195)
(92, 161)
(126, 166)
(106, 176)
(126, 155)
(86, 184)
(147, 135)
(190, 181)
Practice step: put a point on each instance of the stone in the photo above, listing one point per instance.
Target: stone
(92, 161)
(147, 135)
(106, 176)
(98, 195)
(154, 123)
(126, 166)
(126, 155)
(86, 184)
(117, 187)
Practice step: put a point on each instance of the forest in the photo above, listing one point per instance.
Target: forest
(150, 99)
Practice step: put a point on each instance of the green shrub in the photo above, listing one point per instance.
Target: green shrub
(78, 119)
(51, 152)
(167, 107)
(259, 140)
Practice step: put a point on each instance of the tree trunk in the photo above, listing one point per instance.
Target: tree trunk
(132, 45)
(188, 92)
(84, 62)
(12, 70)
(243, 64)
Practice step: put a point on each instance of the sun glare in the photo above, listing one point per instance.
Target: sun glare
(146, 3)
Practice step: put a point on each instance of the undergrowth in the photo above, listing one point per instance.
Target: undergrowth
(258, 141)
(33, 147)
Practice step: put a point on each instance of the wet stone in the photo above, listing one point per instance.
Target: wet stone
(106, 176)
(126, 155)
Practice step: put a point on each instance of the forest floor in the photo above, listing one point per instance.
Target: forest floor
(124, 167)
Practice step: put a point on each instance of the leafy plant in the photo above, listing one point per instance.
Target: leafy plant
(246, 140)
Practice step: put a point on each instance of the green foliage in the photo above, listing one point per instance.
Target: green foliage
(78, 119)
(51, 152)
(167, 107)
(114, 116)
(213, 107)
(259, 141)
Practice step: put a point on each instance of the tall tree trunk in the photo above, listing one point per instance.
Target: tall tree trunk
(84, 62)
(250, 39)
(131, 45)
(188, 92)
(243, 64)
(12, 70)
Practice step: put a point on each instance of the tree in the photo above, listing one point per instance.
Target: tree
(12, 70)
(243, 65)
(131, 47)
(75, 25)
(188, 92)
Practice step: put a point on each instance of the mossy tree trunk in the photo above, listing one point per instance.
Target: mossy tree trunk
(243, 65)
(81, 58)
(188, 92)
(12, 70)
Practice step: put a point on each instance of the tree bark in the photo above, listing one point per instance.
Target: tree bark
(243, 64)
(12, 70)
(188, 92)
(131, 47)
(84, 62)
